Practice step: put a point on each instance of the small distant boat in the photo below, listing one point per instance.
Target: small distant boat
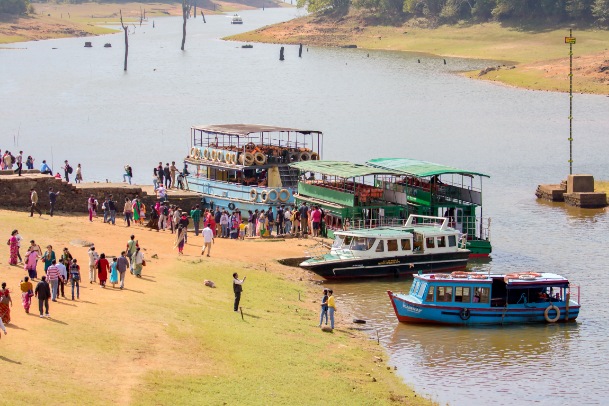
(392, 251)
(236, 19)
(247, 46)
(476, 298)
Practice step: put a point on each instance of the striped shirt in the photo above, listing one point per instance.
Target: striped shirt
(52, 273)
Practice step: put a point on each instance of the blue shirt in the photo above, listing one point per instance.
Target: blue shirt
(44, 167)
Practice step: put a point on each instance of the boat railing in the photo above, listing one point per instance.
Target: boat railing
(374, 223)
(415, 219)
(573, 291)
(317, 251)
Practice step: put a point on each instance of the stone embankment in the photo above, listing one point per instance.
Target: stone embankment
(15, 193)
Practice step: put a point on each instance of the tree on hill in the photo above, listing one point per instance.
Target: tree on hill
(14, 6)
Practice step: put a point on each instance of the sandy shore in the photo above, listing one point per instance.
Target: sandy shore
(110, 346)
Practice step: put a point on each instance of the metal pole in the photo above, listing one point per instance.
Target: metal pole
(570, 104)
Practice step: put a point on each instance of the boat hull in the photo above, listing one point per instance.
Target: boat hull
(388, 267)
(479, 248)
(477, 314)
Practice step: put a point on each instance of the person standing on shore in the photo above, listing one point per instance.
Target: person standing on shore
(237, 289)
(132, 246)
(34, 203)
(67, 170)
(43, 293)
(78, 173)
(92, 207)
(121, 266)
(29, 162)
(138, 262)
(195, 214)
(45, 169)
(114, 273)
(173, 170)
(27, 291)
(304, 218)
(93, 257)
(13, 243)
(32, 256)
(49, 257)
(6, 302)
(75, 278)
(112, 209)
(19, 163)
(324, 308)
(63, 277)
(180, 239)
(208, 239)
(331, 307)
(52, 200)
(128, 174)
(167, 176)
(102, 270)
(53, 278)
(128, 211)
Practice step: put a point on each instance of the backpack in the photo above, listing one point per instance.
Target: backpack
(69, 169)
(13, 159)
(75, 273)
(165, 211)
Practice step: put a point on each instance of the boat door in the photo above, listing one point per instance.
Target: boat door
(458, 219)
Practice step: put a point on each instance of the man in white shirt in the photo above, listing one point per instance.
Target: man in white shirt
(63, 276)
(161, 193)
(93, 257)
(208, 239)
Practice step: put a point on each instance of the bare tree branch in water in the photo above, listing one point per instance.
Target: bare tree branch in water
(186, 6)
(125, 28)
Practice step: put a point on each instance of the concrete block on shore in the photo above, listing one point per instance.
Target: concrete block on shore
(580, 184)
(589, 200)
(553, 193)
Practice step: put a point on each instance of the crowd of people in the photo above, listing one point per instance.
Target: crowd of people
(169, 176)
(62, 272)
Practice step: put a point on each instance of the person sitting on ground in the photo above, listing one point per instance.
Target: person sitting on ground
(45, 169)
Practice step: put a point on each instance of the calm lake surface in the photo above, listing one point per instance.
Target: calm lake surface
(76, 103)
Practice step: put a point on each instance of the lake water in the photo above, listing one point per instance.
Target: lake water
(76, 103)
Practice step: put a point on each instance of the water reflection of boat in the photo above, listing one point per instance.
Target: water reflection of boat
(477, 298)
(418, 246)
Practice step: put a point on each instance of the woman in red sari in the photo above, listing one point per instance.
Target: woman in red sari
(13, 243)
(102, 270)
(5, 301)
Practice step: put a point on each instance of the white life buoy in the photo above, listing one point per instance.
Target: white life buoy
(249, 159)
(253, 194)
(227, 158)
(546, 314)
(272, 196)
(205, 154)
(193, 152)
(283, 192)
(526, 277)
(259, 158)
(213, 155)
(233, 158)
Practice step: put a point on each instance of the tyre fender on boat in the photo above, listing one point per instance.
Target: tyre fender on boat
(294, 157)
(253, 194)
(259, 158)
(464, 314)
(305, 156)
(546, 314)
(314, 156)
(231, 206)
(272, 196)
(248, 160)
(284, 192)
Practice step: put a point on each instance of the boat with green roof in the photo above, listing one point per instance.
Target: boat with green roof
(424, 244)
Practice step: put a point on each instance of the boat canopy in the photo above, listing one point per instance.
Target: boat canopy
(243, 130)
(341, 169)
(417, 168)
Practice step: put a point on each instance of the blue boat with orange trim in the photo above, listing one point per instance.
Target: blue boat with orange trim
(475, 298)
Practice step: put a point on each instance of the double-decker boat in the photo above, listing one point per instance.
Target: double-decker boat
(475, 298)
(245, 166)
(422, 244)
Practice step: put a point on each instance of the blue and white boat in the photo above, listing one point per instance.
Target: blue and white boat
(474, 298)
(245, 166)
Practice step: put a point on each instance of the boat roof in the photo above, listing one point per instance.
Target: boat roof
(342, 169)
(243, 130)
(395, 232)
(417, 168)
(543, 278)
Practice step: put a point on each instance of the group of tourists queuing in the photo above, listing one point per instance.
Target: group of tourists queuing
(133, 210)
(62, 271)
(169, 176)
(291, 220)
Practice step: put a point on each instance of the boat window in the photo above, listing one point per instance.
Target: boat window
(481, 295)
(462, 294)
(452, 240)
(430, 243)
(338, 241)
(414, 286)
(370, 242)
(392, 245)
(347, 242)
(444, 294)
(358, 244)
(429, 297)
(405, 245)
(421, 289)
(441, 242)
(381, 246)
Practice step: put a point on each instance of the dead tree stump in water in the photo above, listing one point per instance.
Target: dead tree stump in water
(126, 40)
(281, 58)
(203, 16)
(300, 51)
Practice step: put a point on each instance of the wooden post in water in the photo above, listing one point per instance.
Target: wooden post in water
(281, 54)
(194, 14)
(126, 40)
(203, 16)
(300, 51)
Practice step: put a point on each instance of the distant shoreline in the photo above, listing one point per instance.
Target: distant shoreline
(536, 61)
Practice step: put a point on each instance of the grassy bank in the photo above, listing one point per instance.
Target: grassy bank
(167, 339)
(540, 55)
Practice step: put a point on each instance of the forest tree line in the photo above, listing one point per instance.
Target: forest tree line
(452, 11)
